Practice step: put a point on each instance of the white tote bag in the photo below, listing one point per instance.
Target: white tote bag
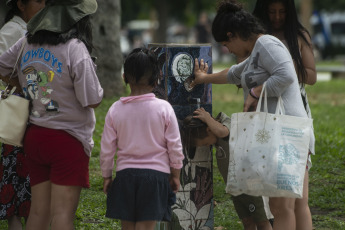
(14, 113)
(268, 152)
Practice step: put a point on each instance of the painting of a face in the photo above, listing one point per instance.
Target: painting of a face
(182, 67)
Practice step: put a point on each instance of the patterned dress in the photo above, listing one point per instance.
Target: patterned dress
(15, 192)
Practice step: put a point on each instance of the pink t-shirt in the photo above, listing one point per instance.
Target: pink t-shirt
(61, 82)
(143, 131)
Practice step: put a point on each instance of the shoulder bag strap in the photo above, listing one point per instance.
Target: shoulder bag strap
(19, 55)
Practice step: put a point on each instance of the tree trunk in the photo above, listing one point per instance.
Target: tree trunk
(305, 14)
(106, 39)
(162, 7)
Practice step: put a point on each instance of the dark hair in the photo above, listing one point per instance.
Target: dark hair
(195, 127)
(141, 67)
(14, 10)
(231, 17)
(292, 29)
(82, 30)
(192, 129)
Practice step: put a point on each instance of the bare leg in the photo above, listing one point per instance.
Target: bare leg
(283, 211)
(266, 225)
(64, 204)
(14, 223)
(248, 223)
(127, 225)
(145, 225)
(39, 217)
(302, 211)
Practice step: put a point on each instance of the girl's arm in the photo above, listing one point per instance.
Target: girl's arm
(174, 148)
(308, 60)
(174, 179)
(108, 150)
(108, 145)
(107, 181)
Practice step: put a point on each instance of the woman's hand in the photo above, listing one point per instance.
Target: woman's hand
(250, 104)
(200, 72)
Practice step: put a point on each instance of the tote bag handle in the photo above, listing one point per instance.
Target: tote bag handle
(280, 104)
(258, 107)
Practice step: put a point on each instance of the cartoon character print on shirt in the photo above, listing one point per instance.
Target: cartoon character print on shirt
(39, 82)
(31, 91)
(39, 79)
(46, 90)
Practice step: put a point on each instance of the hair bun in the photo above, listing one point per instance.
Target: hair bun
(228, 6)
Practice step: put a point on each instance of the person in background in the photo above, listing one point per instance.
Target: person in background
(15, 193)
(143, 132)
(18, 15)
(280, 19)
(58, 76)
(268, 60)
(201, 129)
(203, 29)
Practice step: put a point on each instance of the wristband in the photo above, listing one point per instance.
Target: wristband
(251, 92)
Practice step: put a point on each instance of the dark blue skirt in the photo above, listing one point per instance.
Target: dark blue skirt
(140, 195)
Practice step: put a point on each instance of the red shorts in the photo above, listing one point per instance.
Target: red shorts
(57, 156)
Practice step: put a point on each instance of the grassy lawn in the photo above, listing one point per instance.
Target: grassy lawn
(327, 176)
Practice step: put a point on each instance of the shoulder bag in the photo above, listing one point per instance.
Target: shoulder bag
(14, 113)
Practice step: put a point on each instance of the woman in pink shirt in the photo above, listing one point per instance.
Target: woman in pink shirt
(58, 76)
(143, 131)
(15, 191)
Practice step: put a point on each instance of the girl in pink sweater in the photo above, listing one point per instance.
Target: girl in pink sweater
(143, 132)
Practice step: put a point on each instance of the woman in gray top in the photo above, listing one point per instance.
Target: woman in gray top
(268, 61)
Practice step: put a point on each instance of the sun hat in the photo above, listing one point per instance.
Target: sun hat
(60, 15)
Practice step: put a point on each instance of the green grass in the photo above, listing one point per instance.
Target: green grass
(327, 176)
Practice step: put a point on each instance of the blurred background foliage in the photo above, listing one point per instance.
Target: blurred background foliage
(185, 11)
(165, 21)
